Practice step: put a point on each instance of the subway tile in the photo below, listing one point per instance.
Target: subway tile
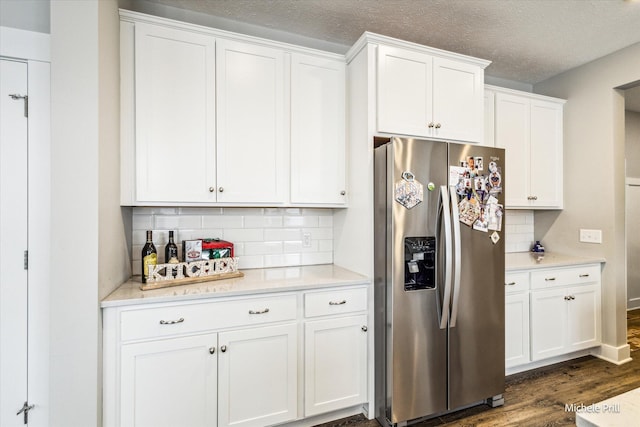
(296, 247)
(319, 233)
(317, 258)
(262, 248)
(300, 221)
(273, 211)
(209, 233)
(325, 221)
(222, 221)
(282, 234)
(199, 211)
(155, 211)
(325, 245)
(142, 222)
(263, 221)
(242, 211)
(292, 211)
(281, 260)
(256, 261)
(238, 249)
(245, 235)
(317, 212)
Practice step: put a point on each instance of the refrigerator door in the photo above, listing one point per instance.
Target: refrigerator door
(416, 345)
(476, 333)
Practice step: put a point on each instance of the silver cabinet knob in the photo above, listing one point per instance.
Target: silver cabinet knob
(510, 284)
(364, 329)
(342, 193)
(212, 350)
(438, 125)
(211, 189)
(223, 348)
(430, 125)
(221, 189)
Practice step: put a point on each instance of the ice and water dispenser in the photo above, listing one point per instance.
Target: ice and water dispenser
(419, 263)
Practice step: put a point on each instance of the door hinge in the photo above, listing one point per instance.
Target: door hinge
(25, 98)
(26, 260)
(25, 410)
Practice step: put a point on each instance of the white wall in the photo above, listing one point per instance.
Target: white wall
(632, 143)
(594, 178)
(30, 15)
(84, 99)
(632, 157)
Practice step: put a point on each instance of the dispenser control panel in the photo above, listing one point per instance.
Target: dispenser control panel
(419, 263)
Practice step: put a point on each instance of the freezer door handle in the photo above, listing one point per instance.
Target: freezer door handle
(457, 255)
(446, 216)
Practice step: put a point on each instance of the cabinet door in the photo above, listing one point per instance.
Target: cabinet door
(258, 376)
(252, 162)
(513, 125)
(584, 318)
(489, 118)
(335, 364)
(317, 130)
(405, 91)
(458, 100)
(174, 115)
(170, 382)
(517, 329)
(548, 323)
(546, 154)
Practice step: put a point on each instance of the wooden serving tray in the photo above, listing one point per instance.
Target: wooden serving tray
(187, 280)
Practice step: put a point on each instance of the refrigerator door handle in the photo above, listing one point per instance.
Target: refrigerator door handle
(446, 216)
(457, 255)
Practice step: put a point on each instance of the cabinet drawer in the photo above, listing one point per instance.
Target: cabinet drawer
(565, 276)
(516, 282)
(189, 318)
(337, 301)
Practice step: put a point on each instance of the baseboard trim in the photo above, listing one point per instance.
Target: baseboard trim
(616, 355)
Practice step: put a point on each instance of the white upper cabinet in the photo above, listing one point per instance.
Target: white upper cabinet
(174, 114)
(251, 123)
(210, 117)
(429, 96)
(317, 130)
(529, 127)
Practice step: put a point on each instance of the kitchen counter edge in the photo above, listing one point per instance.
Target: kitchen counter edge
(530, 260)
(254, 282)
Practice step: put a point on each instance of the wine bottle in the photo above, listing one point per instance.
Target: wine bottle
(171, 251)
(171, 254)
(149, 256)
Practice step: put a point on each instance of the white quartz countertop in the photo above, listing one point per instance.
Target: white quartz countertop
(530, 260)
(255, 281)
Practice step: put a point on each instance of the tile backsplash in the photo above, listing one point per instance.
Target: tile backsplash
(272, 237)
(518, 230)
(262, 237)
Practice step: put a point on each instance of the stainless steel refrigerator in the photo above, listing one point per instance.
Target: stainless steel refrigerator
(439, 278)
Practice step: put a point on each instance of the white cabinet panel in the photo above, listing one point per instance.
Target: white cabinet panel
(170, 382)
(512, 133)
(251, 148)
(584, 317)
(548, 323)
(405, 91)
(335, 364)
(258, 376)
(489, 118)
(318, 135)
(530, 129)
(174, 114)
(546, 153)
(458, 100)
(429, 96)
(517, 329)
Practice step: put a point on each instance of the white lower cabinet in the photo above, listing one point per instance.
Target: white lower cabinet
(257, 376)
(169, 382)
(551, 312)
(236, 361)
(335, 364)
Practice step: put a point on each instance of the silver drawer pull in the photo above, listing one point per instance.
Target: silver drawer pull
(550, 279)
(172, 322)
(266, 310)
(510, 284)
(584, 275)
(344, 301)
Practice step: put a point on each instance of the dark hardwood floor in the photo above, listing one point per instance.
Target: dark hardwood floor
(538, 397)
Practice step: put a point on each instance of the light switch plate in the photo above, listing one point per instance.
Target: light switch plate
(590, 236)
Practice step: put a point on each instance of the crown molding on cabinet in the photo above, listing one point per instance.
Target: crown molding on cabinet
(133, 17)
(368, 37)
(527, 94)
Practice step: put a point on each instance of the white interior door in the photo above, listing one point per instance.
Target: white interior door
(13, 242)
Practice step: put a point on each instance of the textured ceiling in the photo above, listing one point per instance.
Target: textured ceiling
(527, 40)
